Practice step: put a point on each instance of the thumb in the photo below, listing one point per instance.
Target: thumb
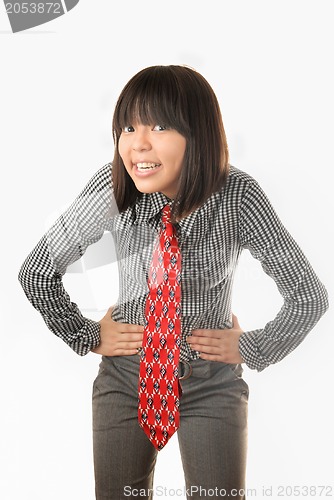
(235, 322)
(109, 312)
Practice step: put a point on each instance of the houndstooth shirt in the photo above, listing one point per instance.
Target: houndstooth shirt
(211, 240)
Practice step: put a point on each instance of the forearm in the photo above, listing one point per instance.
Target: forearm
(299, 314)
(305, 298)
(40, 276)
(43, 287)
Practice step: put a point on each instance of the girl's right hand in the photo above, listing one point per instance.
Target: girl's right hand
(118, 339)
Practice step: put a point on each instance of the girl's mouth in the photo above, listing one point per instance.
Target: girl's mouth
(143, 167)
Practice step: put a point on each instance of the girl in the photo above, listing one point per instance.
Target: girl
(171, 150)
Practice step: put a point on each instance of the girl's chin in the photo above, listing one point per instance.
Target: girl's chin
(145, 189)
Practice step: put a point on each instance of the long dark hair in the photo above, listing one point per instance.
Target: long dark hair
(180, 98)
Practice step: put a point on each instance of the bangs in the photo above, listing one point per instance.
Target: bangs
(152, 98)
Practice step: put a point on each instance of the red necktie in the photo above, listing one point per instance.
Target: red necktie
(159, 389)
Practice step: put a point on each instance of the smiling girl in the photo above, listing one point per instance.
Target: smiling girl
(170, 149)
(153, 157)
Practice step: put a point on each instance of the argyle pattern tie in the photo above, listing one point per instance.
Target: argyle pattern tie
(159, 390)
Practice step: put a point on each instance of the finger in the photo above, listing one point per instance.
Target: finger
(125, 352)
(203, 341)
(211, 357)
(205, 332)
(109, 312)
(128, 328)
(206, 349)
(118, 348)
(235, 321)
(127, 346)
(129, 337)
(110, 352)
(222, 358)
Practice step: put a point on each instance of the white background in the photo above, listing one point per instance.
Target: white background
(270, 64)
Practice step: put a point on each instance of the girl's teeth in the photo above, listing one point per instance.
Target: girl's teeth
(145, 165)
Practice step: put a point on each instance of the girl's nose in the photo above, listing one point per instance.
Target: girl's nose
(141, 141)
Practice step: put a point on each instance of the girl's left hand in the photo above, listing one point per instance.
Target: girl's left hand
(218, 345)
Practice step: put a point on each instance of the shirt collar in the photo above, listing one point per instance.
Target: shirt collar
(149, 205)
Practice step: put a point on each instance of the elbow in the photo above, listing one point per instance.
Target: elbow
(25, 278)
(324, 303)
(22, 276)
(320, 303)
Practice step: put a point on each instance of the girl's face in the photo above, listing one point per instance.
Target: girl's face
(153, 157)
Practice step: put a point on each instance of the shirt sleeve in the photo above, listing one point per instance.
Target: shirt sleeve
(40, 276)
(305, 298)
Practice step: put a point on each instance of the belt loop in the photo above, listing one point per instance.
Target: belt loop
(188, 370)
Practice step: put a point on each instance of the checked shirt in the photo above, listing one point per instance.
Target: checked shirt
(239, 216)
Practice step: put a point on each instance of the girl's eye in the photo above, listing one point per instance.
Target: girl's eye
(160, 128)
(128, 128)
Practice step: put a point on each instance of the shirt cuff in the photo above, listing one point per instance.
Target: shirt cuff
(248, 348)
(88, 337)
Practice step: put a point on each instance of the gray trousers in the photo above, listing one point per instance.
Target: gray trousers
(212, 435)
